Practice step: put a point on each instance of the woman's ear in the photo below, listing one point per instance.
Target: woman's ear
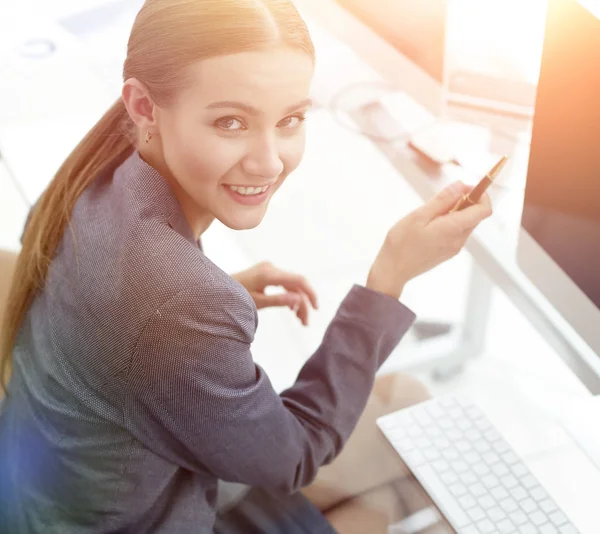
(139, 105)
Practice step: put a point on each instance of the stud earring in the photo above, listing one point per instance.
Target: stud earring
(148, 137)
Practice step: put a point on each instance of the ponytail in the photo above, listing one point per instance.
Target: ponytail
(105, 146)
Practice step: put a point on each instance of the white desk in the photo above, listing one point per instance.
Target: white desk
(493, 245)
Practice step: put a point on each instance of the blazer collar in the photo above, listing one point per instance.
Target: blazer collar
(154, 189)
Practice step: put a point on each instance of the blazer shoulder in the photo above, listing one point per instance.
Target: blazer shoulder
(194, 277)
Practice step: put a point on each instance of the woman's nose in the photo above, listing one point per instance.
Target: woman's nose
(263, 159)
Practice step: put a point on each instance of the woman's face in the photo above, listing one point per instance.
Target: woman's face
(240, 123)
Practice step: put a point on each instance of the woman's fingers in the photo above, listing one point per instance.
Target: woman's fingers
(302, 308)
(294, 282)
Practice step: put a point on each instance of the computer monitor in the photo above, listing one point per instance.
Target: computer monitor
(559, 247)
(416, 29)
(462, 46)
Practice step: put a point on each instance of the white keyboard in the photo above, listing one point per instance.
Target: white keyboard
(469, 470)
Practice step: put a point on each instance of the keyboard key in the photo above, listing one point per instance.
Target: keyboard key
(538, 518)
(445, 424)
(528, 506)
(458, 489)
(518, 517)
(481, 469)
(483, 424)
(477, 490)
(472, 434)
(455, 412)
(482, 446)
(486, 501)
(442, 443)
(511, 458)
(435, 411)
(397, 433)
(433, 432)
(414, 431)
(440, 465)
(472, 458)
(509, 481)
(538, 494)
(448, 477)
(506, 526)
(423, 418)
(519, 493)
(486, 526)
(500, 469)
(447, 502)
(499, 493)
(492, 435)
(453, 434)
(405, 444)
(519, 470)
(528, 529)
(473, 412)
(463, 424)
(496, 514)
(509, 505)
(568, 529)
(490, 458)
(423, 442)
(548, 506)
(459, 466)
(501, 447)
(387, 422)
(490, 481)
(467, 501)
(450, 454)
(448, 401)
(468, 478)
(463, 446)
(431, 454)
(529, 482)
(558, 518)
(548, 529)
(476, 514)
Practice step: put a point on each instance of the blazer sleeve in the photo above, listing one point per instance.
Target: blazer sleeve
(197, 398)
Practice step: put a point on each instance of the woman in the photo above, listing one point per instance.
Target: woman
(133, 389)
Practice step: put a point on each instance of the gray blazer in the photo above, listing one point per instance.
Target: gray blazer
(134, 389)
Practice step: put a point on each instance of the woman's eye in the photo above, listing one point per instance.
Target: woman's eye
(228, 124)
(292, 122)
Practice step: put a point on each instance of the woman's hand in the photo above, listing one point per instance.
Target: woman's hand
(425, 238)
(298, 296)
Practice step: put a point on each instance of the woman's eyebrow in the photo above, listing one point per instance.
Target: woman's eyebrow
(252, 110)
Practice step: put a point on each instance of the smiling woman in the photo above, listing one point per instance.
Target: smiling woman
(202, 144)
(132, 389)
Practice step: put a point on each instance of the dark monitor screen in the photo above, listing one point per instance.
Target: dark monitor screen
(415, 27)
(562, 197)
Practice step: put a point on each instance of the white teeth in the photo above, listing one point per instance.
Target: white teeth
(248, 190)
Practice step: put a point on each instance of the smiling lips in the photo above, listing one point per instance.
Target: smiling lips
(248, 190)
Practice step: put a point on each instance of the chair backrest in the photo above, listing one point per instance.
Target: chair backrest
(8, 261)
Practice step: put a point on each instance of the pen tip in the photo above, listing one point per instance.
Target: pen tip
(498, 167)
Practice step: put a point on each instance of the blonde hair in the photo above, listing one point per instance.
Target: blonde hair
(166, 38)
